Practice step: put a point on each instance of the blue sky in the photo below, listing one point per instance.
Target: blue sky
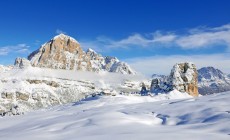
(151, 35)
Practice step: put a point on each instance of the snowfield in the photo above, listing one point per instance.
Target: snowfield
(33, 88)
(126, 117)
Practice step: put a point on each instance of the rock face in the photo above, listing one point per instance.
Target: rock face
(212, 80)
(64, 52)
(22, 63)
(183, 77)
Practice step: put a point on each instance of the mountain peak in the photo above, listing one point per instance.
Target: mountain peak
(65, 37)
(212, 80)
(90, 50)
(210, 73)
(64, 52)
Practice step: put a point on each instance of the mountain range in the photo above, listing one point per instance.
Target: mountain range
(60, 72)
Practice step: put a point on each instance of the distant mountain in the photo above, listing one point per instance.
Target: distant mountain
(159, 76)
(64, 52)
(212, 80)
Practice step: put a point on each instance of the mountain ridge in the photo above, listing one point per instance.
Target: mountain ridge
(64, 52)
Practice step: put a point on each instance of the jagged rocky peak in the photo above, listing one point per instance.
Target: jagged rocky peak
(184, 77)
(89, 50)
(64, 52)
(93, 55)
(61, 52)
(22, 63)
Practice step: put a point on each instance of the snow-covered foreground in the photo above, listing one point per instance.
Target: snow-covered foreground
(125, 117)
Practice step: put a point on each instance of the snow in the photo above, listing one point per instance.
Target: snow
(63, 36)
(91, 50)
(35, 72)
(125, 117)
(32, 88)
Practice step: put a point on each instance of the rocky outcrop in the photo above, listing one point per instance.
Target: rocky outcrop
(22, 63)
(64, 52)
(183, 77)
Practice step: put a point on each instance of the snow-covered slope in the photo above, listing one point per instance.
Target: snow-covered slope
(212, 80)
(4, 69)
(64, 52)
(126, 117)
(32, 88)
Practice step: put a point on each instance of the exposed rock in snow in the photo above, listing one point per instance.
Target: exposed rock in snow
(22, 63)
(212, 80)
(61, 52)
(183, 77)
(64, 52)
(159, 85)
(114, 65)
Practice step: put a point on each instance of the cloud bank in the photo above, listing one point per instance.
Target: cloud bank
(163, 64)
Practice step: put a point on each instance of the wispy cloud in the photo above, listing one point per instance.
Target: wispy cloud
(19, 48)
(205, 38)
(163, 64)
(58, 31)
(195, 38)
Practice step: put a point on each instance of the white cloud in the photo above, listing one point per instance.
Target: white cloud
(195, 38)
(163, 64)
(138, 40)
(3, 51)
(204, 39)
(19, 48)
(58, 31)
